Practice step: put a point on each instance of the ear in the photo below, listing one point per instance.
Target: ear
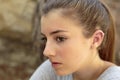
(97, 38)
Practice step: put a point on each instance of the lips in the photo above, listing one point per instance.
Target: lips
(56, 64)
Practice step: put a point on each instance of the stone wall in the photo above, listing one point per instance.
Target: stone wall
(17, 57)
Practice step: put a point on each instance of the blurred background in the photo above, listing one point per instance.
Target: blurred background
(18, 60)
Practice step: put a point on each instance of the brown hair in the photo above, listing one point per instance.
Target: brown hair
(93, 14)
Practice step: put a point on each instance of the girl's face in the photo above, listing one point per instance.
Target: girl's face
(66, 47)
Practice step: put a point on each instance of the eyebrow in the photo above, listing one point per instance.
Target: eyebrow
(55, 32)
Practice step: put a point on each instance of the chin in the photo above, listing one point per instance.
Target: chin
(61, 73)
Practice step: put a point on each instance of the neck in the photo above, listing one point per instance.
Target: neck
(93, 70)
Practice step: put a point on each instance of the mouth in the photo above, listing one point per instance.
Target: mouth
(56, 64)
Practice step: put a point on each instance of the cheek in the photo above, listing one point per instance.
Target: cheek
(74, 52)
(71, 51)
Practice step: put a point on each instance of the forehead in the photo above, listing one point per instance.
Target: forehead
(56, 20)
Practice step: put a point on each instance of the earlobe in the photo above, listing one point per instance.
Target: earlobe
(98, 37)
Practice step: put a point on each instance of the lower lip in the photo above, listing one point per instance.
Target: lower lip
(56, 65)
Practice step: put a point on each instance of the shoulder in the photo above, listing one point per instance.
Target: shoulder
(112, 73)
(44, 72)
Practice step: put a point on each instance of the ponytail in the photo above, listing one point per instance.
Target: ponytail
(106, 51)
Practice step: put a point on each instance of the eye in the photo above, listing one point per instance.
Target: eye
(43, 39)
(60, 39)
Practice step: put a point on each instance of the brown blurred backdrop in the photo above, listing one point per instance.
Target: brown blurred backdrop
(17, 57)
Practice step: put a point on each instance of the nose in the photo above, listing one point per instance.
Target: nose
(49, 50)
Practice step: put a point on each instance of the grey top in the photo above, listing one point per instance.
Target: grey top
(46, 72)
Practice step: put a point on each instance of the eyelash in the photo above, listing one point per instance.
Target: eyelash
(44, 39)
(60, 39)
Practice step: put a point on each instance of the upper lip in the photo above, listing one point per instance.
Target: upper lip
(55, 62)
